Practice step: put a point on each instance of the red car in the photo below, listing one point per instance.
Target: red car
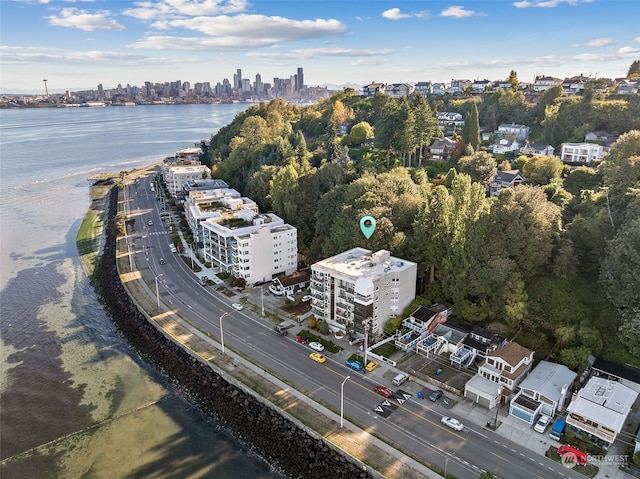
(383, 391)
(571, 454)
(302, 339)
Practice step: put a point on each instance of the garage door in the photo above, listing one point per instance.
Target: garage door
(478, 399)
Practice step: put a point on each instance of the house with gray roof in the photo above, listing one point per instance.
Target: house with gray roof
(505, 179)
(419, 325)
(598, 411)
(543, 391)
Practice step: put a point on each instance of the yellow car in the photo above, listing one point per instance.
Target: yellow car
(371, 365)
(317, 357)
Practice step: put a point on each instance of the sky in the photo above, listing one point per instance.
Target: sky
(78, 44)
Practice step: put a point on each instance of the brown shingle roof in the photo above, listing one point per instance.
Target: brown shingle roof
(512, 353)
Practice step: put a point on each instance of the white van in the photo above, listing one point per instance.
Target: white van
(542, 424)
(400, 378)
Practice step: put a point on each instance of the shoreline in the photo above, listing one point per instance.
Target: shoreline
(272, 420)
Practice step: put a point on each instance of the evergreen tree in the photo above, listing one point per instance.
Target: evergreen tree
(471, 128)
(634, 70)
(513, 79)
(426, 123)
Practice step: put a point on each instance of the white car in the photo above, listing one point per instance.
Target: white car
(316, 346)
(452, 423)
(237, 306)
(275, 291)
(306, 297)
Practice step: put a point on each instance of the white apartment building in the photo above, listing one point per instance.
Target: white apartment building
(581, 152)
(177, 176)
(251, 246)
(201, 205)
(359, 288)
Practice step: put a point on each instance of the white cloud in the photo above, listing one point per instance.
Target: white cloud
(322, 52)
(396, 14)
(149, 10)
(596, 42)
(547, 3)
(367, 62)
(458, 11)
(239, 32)
(36, 55)
(261, 27)
(636, 40)
(81, 19)
(626, 51)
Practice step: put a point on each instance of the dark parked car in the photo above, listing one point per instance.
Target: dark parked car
(435, 395)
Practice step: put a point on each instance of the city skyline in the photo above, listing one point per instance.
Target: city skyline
(77, 45)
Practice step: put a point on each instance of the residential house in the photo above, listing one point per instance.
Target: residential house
(537, 149)
(504, 146)
(418, 325)
(512, 131)
(499, 375)
(398, 90)
(255, 247)
(505, 179)
(449, 120)
(442, 148)
(575, 84)
(359, 288)
(292, 283)
(372, 88)
(445, 338)
(439, 89)
(583, 153)
(478, 343)
(344, 128)
(502, 85)
(628, 87)
(543, 83)
(599, 410)
(480, 86)
(601, 137)
(423, 87)
(459, 86)
(623, 373)
(543, 391)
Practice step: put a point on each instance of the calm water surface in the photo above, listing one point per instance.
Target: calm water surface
(75, 400)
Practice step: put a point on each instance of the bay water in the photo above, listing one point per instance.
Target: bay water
(75, 400)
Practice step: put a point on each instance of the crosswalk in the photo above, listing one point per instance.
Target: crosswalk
(154, 233)
(387, 406)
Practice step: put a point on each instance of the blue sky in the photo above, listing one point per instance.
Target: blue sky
(77, 44)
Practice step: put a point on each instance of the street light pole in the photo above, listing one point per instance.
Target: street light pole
(495, 421)
(157, 291)
(262, 298)
(221, 333)
(342, 401)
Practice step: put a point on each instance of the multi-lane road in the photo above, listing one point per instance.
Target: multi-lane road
(413, 425)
